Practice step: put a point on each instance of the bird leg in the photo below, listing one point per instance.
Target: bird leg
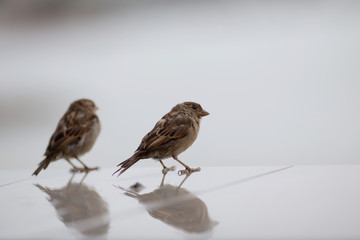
(85, 169)
(75, 168)
(166, 169)
(187, 168)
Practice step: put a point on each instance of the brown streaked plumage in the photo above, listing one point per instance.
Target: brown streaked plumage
(74, 136)
(173, 134)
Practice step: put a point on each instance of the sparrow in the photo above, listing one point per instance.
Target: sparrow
(173, 134)
(75, 135)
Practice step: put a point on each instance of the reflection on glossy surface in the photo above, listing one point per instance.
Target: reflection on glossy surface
(80, 207)
(176, 206)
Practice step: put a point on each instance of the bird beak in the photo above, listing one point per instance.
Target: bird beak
(203, 113)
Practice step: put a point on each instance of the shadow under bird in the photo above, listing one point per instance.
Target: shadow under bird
(173, 134)
(74, 136)
(176, 207)
(80, 207)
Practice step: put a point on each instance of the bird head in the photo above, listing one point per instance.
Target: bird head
(196, 108)
(84, 104)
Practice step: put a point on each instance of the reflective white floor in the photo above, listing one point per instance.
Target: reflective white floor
(301, 202)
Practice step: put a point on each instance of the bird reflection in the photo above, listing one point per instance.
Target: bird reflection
(176, 206)
(80, 207)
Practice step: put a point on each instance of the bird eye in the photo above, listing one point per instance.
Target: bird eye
(194, 107)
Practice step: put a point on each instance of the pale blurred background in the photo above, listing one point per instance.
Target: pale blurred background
(281, 79)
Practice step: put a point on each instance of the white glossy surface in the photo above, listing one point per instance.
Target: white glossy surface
(221, 203)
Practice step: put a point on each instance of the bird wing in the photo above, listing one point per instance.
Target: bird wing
(170, 128)
(72, 126)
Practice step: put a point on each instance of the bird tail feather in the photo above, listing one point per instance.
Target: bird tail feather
(127, 164)
(42, 165)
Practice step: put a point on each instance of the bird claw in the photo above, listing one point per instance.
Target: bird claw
(79, 170)
(166, 170)
(75, 170)
(188, 171)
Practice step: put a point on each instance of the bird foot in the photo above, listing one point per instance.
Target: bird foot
(85, 169)
(166, 170)
(188, 171)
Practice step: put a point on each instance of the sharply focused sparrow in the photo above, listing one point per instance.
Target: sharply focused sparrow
(75, 135)
(172, 135)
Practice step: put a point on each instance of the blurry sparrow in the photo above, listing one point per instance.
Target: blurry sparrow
(75, 135)
(172, 135)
